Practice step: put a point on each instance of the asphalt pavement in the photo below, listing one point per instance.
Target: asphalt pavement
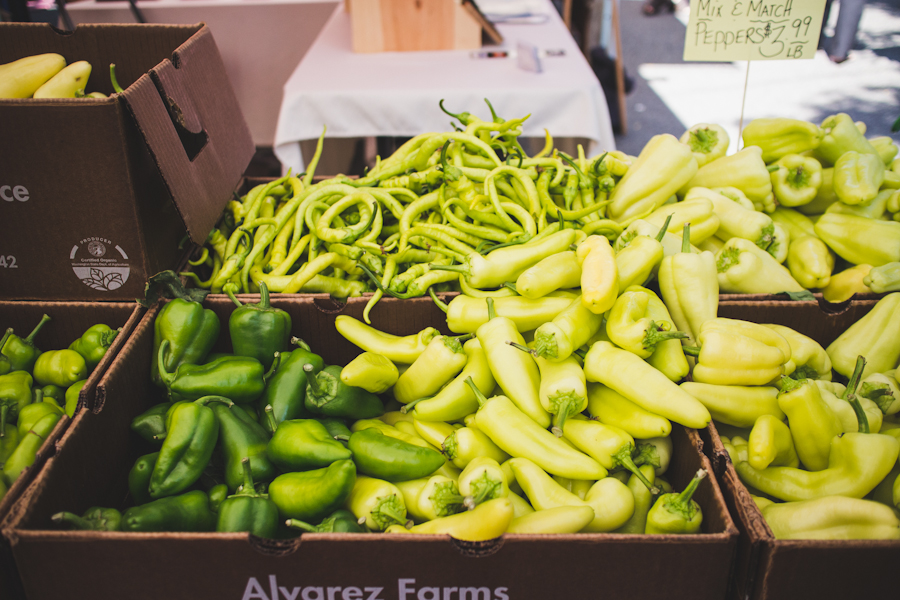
(670, 95)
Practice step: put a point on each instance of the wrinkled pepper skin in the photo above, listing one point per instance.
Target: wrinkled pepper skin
(94, 343)
(304, 444)
(857, 463)
(796, 179)
(240, 437)
(312, 495)
(810, 262)
(857, 177)
(186, 512)
(21, 352)
(328, 396)
(875, 336)
(191, 330)
(59, 367)
(735, 352)
(779, 137)
(286, 390)
(663, 166)
(707, 141)
(259, 330)
(248, 510)
(391, 459)
(744, 170)
(840, 135)
(192, 432)
(239, 378)
(832, 518)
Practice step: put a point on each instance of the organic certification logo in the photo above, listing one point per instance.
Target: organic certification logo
(97, 266)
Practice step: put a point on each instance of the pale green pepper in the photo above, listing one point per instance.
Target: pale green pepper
(707, 141)
(810, 262)
(744, 268)
(795, 179)
(744, 170)
(857, 177)
(779, 137)
(884, 278)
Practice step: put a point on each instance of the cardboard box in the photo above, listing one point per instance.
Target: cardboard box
(69, 321)
(99, 194)
(770, 569)
(97, 451)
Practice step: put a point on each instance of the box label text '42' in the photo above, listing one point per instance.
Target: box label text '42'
(269, 589)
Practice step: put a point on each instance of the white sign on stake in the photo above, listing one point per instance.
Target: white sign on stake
(734, 30)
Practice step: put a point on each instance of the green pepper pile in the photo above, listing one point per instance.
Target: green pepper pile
(37, 388)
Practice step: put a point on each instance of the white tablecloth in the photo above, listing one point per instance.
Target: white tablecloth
(397, 93)
(261, 42)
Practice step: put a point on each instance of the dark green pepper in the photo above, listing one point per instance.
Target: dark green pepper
(15, 394)
(337, 429)
(311, 495)
(384, 457)
(55, 393)
(73, 394)
(21, 352)
(241, 437)
(286, 390)
(93, 344)
(304, 444)
(151, 424)
(59, 367)
(29, 444)
(95, 518)
(34, 412)
(239, 378)
(217, 495)
(5, 364)
(139, 478)
(340, 521)
(258, 330)
(9, 439)
(186, 512)
(327, 395)
(192, 432)
(248, 510)
(191, 331)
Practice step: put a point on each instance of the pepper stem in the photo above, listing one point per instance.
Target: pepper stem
(437, 301)
(263, 295)
(44, 320)
(248, 489)
(298, 524)
(664, 228)
(300, 344)
(229, 289)
(654, 336)
(112, 78)
(562, 415)
(686, 239)
(492, 313)
(4, 413)
(851, 397)
(691, 350)
(685, 496)
(273, 368)
(623, 458)
(482, 400)
(5, 337)
(164, 374)
(312, 381)
(37, 395)
(72, 520)
(270, 417)
(519, 346)
(408, 407)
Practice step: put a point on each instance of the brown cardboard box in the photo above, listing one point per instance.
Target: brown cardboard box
(770, 569)
(99, 194)
(97, 451)
(69, 321)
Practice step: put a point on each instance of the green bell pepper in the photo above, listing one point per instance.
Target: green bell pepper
(248, 510)
(95, 518)
(191, 331)
(22, 352)
(186, 512)
(34, 412)
(383, 457)
(15, 394)
(151, 424)
(59, 367)
(677, 513)
(311, 495)
(327, 395)
(93, 344)
(240, 437)
(286, 390)
(305, 444)
(340, 521)
(139, 478)
(258, 330)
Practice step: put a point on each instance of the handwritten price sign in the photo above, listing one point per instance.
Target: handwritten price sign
(733, 30)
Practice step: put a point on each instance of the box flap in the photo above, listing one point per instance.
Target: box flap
(188, 113)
